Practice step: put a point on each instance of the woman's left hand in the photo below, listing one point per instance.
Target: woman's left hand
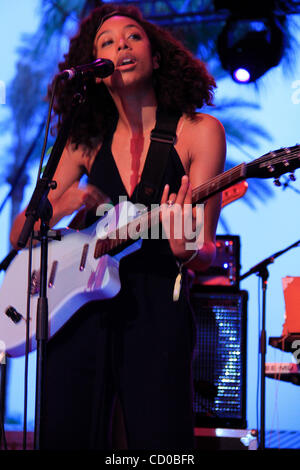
(178, 218)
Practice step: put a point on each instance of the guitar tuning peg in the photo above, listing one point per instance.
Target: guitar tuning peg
(277, 182)
(292, 177)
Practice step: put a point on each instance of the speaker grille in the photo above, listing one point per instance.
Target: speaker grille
(220, 359)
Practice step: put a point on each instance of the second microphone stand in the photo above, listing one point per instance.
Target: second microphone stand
(261, 269)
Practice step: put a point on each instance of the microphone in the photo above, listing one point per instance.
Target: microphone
(99, 68)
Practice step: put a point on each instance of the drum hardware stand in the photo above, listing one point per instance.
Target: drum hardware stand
(261, 269)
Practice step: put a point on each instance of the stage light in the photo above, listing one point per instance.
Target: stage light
(248, 48)
(248, 8)
(241, 75)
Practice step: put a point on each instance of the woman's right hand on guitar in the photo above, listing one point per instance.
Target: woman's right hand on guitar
(72, 199)
(76, 197)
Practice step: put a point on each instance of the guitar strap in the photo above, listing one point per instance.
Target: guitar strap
(162, 139)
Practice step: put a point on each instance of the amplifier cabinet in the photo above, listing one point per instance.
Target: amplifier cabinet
(219, 366)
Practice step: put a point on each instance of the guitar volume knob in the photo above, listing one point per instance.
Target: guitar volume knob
(13, 314)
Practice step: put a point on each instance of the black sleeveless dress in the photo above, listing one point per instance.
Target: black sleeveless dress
(138, 345)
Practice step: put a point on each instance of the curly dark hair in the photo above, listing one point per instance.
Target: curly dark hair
(181, 83)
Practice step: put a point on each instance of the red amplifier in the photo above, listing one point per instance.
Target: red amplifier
(225, 270)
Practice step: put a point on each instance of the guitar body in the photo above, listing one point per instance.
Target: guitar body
(74, 278)
(80, 266)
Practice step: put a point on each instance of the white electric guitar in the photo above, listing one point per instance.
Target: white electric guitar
(83, 266)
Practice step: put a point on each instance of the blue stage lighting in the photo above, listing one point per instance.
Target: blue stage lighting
(252, 45)
(241, 75)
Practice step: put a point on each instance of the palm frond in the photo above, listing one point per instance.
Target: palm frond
(227, 104)
(244, 132)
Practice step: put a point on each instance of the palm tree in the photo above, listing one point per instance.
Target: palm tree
(24, 100)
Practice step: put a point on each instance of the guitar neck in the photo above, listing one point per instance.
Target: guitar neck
(219, 183)
(142, 223)
(123, 235)
(270, 165)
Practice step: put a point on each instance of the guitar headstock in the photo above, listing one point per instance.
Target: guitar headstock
(274, 164)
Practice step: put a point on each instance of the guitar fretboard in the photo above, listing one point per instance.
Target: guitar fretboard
(143, 222)
(219, 183)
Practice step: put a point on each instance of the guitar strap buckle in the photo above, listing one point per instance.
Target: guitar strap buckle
(162, 137)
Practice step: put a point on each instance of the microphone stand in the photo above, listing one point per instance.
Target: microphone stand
(261, 269)
(39, 208)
